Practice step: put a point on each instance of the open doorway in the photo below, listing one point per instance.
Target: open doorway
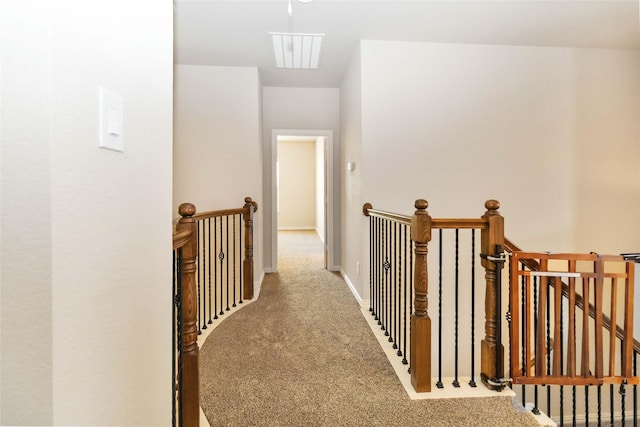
(305, 201)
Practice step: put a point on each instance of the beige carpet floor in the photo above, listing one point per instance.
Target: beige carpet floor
(303, 355)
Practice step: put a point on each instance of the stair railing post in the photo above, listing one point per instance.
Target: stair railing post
(420, 356)
(190, 399)
(492, 350)
(249, 208)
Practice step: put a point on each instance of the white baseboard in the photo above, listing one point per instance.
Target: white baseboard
(296, 228)
(352, 287)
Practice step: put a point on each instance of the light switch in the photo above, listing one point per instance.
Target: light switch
(111, 120)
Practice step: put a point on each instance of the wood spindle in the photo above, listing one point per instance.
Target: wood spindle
(249, 208)
(420, 354)
(492, 350)
(190, 399)
(627, 341)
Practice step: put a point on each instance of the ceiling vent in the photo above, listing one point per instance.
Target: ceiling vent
(296, 50)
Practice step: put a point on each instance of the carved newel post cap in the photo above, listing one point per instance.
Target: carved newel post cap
(187, 209)
(247, 200)
(492, 205)
(421, 204)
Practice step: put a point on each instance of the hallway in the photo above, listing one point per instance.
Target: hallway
(303, 354)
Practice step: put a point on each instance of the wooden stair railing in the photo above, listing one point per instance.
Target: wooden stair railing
(185, 237)
(185, 242)
(491, 225)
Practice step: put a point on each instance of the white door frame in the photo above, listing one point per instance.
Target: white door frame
(329, 241)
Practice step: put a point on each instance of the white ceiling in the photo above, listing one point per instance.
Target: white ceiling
(235, 32)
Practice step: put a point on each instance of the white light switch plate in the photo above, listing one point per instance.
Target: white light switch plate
(111, 120)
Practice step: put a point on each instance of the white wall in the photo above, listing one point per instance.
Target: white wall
(353, 240)
(217, 155)
(550, 132)
(306, 109)
(320, 146)
(86, 231)
(26, 390)
(297, 187)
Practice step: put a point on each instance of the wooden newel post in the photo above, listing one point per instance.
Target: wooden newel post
(249, 208)
(190, 399)
(492, 350)
(420, 358)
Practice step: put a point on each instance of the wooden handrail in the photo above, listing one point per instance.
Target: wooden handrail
(533, 265)
(368, 210)
(226, 212)
(444, 223)
(181, 238)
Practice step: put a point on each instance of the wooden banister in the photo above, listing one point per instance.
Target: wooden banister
(247, 214)
(492, 350)
(420, 355)
(368, 210)
(190, 398)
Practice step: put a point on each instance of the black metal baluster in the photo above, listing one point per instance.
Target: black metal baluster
(611, 404)
(204, 273)
(406, 291)
(548, 346)
(399, 300)
(198, 279)
(586, 404)
(536, 407)
(240, 227)
(557, 289)
(472, 382)
(209, 262)
(371, 293)
(456, 383)
(599, 405)
(173, 343)
(215, 269)
(177, 382)
(387, 310)
(383, 301)
(392, 282)
(235, 249)
(523, 332)
(378, 283)
(221, 259)
(394, 316)
(377, 248)
(227, 236)
(439, 383)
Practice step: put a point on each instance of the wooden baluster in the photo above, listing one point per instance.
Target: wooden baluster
(190, 399)
(492, 350)
(420, 361)
(627, 341)
(249, 208)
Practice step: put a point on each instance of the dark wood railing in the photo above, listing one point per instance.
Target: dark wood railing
(491, 225)
(193, 277)
(186, 381)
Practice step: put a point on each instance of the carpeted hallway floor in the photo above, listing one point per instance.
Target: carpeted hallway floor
(303, 355)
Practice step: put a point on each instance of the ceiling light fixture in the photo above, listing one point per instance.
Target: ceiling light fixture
(297, 50)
